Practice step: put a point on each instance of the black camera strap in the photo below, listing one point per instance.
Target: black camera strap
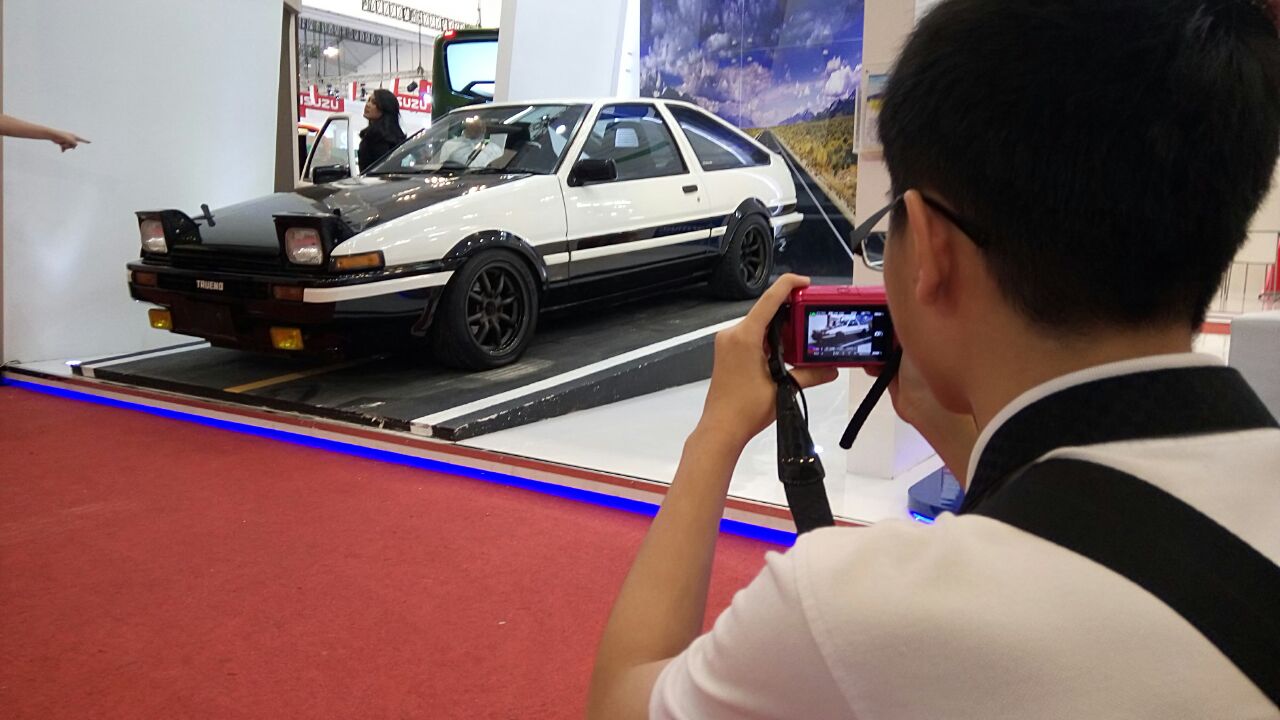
(878, 388)
(1217, 582)
(799, 467)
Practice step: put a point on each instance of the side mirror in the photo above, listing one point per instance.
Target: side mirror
(586, 172)
(329, 173)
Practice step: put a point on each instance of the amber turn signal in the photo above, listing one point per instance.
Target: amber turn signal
(286, 338)
(363, 261)
(160, 319)
(148, 279)
(287, 292)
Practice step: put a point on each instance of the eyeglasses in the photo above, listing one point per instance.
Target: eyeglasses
(869, 243)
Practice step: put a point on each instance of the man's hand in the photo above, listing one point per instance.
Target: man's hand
(66, 140)
(741, 401)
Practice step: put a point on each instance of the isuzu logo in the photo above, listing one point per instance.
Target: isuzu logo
(209, 285)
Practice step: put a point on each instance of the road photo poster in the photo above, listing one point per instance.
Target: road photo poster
(787, 71)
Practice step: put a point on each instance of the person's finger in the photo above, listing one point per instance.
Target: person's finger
(84, 140)
(758, 319)
(811, 377)
(873, 370)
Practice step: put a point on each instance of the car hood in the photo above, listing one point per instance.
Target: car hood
(361, 202)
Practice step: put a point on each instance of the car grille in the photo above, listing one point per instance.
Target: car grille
(225, 257)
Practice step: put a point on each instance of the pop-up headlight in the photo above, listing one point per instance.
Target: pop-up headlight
(303, 246)
(153, 236)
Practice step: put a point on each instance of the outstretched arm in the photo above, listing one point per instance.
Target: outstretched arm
(13, 127)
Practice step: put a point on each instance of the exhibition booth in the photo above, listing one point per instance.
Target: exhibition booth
(625, 216)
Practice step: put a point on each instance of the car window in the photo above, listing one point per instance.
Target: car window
(635, 137)
(526, 138)
(331, 147)
(717, 146)
(471, 61)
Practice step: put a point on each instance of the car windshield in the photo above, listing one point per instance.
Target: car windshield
(509, 138)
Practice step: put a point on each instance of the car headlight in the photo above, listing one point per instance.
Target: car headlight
(153, 236)
(303, 246)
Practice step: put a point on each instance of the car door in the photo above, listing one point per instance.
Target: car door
(652, 217)
(734, 167)
(333, 153)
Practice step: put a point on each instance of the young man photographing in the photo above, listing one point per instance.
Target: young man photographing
(1071, 178)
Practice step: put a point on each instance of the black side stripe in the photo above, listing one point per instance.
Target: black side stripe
(650, 233)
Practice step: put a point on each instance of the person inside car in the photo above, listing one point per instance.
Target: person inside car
(472, 148)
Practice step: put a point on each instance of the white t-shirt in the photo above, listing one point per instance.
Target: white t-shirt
(477, 152)
(972, 618)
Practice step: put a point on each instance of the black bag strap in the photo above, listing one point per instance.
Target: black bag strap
(1220, 584)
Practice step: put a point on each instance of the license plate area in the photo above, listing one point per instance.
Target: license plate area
(204, 320)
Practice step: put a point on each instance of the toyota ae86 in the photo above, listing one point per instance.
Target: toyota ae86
(460, 236)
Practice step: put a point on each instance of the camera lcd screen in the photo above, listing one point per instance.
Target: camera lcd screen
(848, 334)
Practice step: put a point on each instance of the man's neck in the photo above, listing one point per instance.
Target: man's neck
(1029, 360)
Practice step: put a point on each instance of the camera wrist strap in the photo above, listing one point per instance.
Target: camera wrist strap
(799, 467)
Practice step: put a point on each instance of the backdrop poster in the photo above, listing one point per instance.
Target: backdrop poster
(787, 70)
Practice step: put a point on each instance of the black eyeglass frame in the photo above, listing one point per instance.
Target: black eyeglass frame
(861, 234)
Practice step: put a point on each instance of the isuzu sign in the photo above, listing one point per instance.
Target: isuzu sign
(413, 103)
(323, 103)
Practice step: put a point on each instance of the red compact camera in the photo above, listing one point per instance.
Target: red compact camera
(837, 326)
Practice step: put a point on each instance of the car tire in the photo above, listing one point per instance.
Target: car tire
(747, 264)
(488, 313)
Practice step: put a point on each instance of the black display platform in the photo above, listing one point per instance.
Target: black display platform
(580, 359)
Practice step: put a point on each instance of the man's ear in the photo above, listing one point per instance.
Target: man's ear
(933, 244)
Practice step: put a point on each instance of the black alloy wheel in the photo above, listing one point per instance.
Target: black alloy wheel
(487, 314)
(753, 258)
(495, 309)
(747, 263)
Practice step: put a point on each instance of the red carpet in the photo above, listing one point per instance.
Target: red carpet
(151, 568)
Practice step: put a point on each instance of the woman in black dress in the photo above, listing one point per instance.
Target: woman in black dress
(384, 133)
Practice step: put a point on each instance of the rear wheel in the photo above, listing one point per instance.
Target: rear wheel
(488, 313)
(747, 264)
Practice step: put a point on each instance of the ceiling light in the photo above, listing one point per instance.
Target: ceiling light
(331, 52)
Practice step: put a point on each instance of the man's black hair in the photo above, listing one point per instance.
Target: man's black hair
(1111, 153)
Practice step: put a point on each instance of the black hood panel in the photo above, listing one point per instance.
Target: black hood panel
(361, 202)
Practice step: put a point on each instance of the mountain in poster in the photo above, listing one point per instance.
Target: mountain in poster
(756, 63)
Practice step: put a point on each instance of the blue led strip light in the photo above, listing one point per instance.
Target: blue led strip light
(732, 527)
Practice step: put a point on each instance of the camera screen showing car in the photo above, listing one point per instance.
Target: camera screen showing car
(848, 334)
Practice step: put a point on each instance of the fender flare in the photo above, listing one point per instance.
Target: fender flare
(499, 239)
(747, 208)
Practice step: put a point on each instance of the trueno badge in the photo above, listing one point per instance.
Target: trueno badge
(209, 285)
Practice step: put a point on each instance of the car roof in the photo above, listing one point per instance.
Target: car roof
(577, 101)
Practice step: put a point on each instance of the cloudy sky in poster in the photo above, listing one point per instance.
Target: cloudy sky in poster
(757, 63)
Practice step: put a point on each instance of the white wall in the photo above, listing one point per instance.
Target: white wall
(179, 99)
(560, 48)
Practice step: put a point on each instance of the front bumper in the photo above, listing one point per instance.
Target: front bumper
(784, 225)
(333, 313)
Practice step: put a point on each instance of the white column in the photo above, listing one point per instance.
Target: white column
(887, 446)
(560, 48)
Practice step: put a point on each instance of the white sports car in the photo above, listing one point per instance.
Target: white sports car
(464, 233)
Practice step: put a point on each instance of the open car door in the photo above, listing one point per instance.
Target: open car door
(333, 154)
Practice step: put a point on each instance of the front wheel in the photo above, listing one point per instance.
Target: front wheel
(747, 264)
(488, 313)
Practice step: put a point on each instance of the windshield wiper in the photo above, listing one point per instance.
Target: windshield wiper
(502, 171)
(419, 171)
